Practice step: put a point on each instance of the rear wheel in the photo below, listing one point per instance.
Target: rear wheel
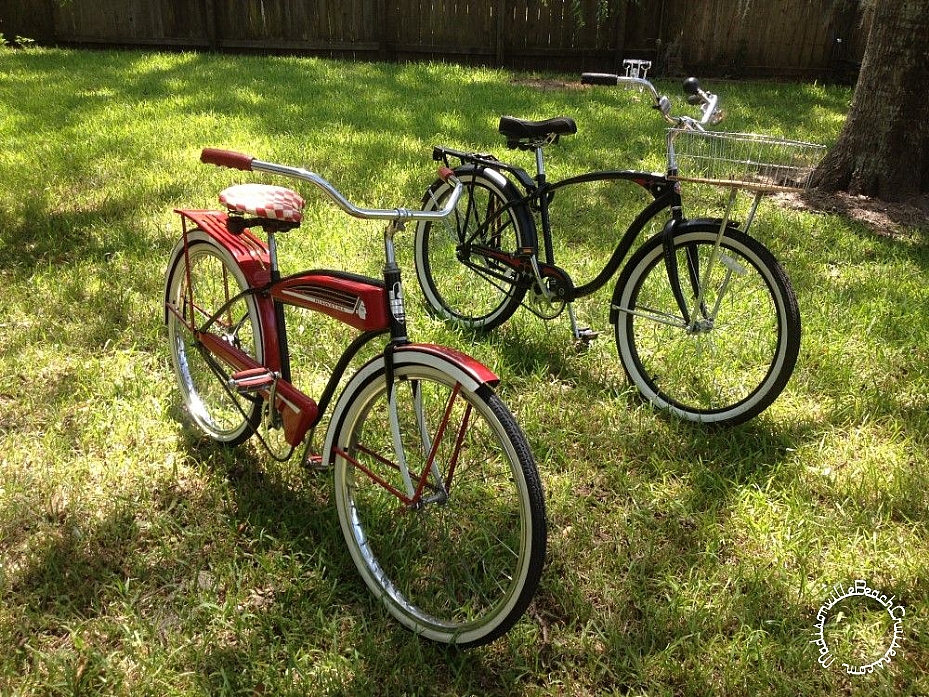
(737, 352)
(461, 283)
(460, 561)
(192, 300)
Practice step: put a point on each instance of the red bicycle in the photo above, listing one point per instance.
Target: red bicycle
(436, 488)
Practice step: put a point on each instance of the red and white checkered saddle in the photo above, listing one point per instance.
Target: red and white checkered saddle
(264, 201)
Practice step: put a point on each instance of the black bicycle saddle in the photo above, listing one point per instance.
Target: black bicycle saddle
(520, 131)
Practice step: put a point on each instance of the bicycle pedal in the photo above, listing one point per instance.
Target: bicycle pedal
(314, 462)
(252, 380)
(586, 334)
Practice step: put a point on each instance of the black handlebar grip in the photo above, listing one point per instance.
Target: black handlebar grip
(226, 158)
(691, 86)
(599, 79)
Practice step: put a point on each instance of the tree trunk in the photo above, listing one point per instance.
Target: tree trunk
(883, 149)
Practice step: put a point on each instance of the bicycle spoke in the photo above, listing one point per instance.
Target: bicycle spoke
(732, 267)
(654, 315)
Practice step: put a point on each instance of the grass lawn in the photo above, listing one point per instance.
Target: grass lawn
(136, 559)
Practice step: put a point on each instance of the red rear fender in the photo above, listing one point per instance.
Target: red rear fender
(249, 251)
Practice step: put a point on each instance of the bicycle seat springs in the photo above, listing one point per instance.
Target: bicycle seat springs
(274, 207)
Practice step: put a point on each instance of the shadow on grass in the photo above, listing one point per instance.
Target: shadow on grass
(62, 237)
(79, 130)
(326, 609)
(66, 573)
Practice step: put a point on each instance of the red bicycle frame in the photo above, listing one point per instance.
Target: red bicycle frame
(358, 301)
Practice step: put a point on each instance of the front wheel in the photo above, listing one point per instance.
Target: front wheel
(725, 359)
(439, 502)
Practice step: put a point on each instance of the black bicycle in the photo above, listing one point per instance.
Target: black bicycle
(706, 321)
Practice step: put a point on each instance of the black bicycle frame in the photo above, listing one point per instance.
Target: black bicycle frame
(666, 195)
(539, 196)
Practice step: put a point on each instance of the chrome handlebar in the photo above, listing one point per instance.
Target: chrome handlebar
(236, 160)
(707, 101)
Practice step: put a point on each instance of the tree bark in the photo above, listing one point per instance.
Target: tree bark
(883, 149)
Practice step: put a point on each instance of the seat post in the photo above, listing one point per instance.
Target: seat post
(272, 256)
(539, 165)
(543, 200)
(280, 320)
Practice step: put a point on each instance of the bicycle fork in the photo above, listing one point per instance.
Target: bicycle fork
(413, 497)
(699, 319)
(431, 476)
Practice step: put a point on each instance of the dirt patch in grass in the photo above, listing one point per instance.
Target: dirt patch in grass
(547, 84)
(883, 217)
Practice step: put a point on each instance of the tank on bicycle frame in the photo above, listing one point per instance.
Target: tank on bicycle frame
(356, 300)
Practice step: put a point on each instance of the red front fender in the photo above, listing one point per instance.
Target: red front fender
(479, 373)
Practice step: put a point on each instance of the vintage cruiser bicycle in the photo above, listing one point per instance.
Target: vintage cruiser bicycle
(705, 319)
(436, 489)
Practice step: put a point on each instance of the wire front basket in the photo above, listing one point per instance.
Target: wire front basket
(742, 160)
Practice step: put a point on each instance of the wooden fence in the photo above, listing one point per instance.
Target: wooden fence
(741, 37)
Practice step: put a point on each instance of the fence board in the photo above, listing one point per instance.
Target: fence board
(754, 37)
(773, 37)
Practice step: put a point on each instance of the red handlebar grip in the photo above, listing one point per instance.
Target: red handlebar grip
(445, 173)
(226, 158)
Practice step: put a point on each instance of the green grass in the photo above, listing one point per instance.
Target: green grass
(137, 559)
